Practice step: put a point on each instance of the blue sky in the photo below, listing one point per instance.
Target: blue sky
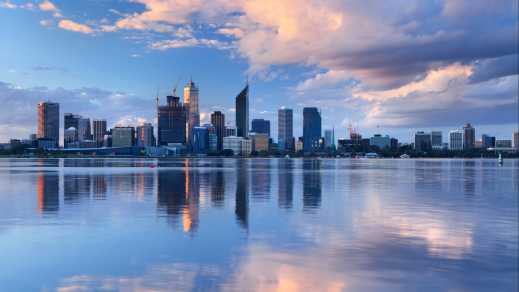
(391, 67)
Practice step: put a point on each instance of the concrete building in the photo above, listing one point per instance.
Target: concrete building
(437, 140)
(311, 129)
(456, 140)
(229, 131)
(299, 145)
(239, 145)
(516, 140)
(261, 126)
(48, 121)
(145, 136)
(84, 129)
(70, 138)
(242, 113)
(503, 143)
(260, 142)
(123, 137)
(191, 102)
(487, 141)
(172, 122)
(100, 128)
(380, 141)
(469, 137)
(422, 141)
(71, 121)
(218, 121)
(285, 130)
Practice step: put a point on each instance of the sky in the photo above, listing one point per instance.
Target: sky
(391, 67)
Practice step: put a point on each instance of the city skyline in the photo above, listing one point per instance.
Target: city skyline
(107, 62)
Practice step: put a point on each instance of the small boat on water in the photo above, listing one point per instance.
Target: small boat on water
(500, 159)
(405, 156)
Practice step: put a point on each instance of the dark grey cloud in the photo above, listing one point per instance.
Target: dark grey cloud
(495, 68)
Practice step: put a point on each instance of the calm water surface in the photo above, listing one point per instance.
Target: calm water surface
(258, 225)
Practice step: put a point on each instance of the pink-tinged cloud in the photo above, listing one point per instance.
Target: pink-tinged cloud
(47, 6)
(74, 26)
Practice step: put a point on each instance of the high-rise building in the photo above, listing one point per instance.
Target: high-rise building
(200, 140)
(229, 131)
(172, 119)
(242, 112)
(218, 121)
(422, 141)
(516, 139)
(469, 137)
(311, 128)
(48, 121)
(70, 138)
(71, 121)
(329, 138)
(456, 140)
(145, 137)
(380, 141)
(191, 103)
(285, 129)
(260, 142)
(488, 141)
(261, 126)
(436, 140)
(84, 129)
(99, 131)
(123, 137)
(212, 138)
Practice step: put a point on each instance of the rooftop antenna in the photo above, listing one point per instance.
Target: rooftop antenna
(175, 87)
(157, 97)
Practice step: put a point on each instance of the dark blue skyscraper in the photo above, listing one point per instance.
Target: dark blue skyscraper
(242, 112)
(261, 126)
(311, 128)
(172, 119)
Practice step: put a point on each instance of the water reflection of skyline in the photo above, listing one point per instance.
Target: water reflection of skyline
(447, 218)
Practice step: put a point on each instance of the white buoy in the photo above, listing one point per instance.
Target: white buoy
(500, 159)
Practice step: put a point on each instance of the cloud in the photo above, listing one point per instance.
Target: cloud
(74, 26)
(189, 42)
(47, 6)
(8, 5)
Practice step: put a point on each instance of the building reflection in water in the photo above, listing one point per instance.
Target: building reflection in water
(260, 180)
(242, 196)
(285, 183)
(217, 185)
(76, 187)
(311, 184)
(178, 196)
(48, 192)
(469, 175)
(99, 187)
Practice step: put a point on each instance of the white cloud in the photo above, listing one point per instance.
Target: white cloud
(70, 25)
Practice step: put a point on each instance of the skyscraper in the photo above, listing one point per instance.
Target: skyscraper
(145, 137)
(261, 126)
(84, 129)
(456, 140)
(218, 121)
(285, 129)
(422, 141)
(99, 131)
(191, 103)
(48, 121)
(515, 138)
(469, 137)
(436, 140)
(329, 138)
(242, 112)
(172, 119)
(311, 128)
(71, 120)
